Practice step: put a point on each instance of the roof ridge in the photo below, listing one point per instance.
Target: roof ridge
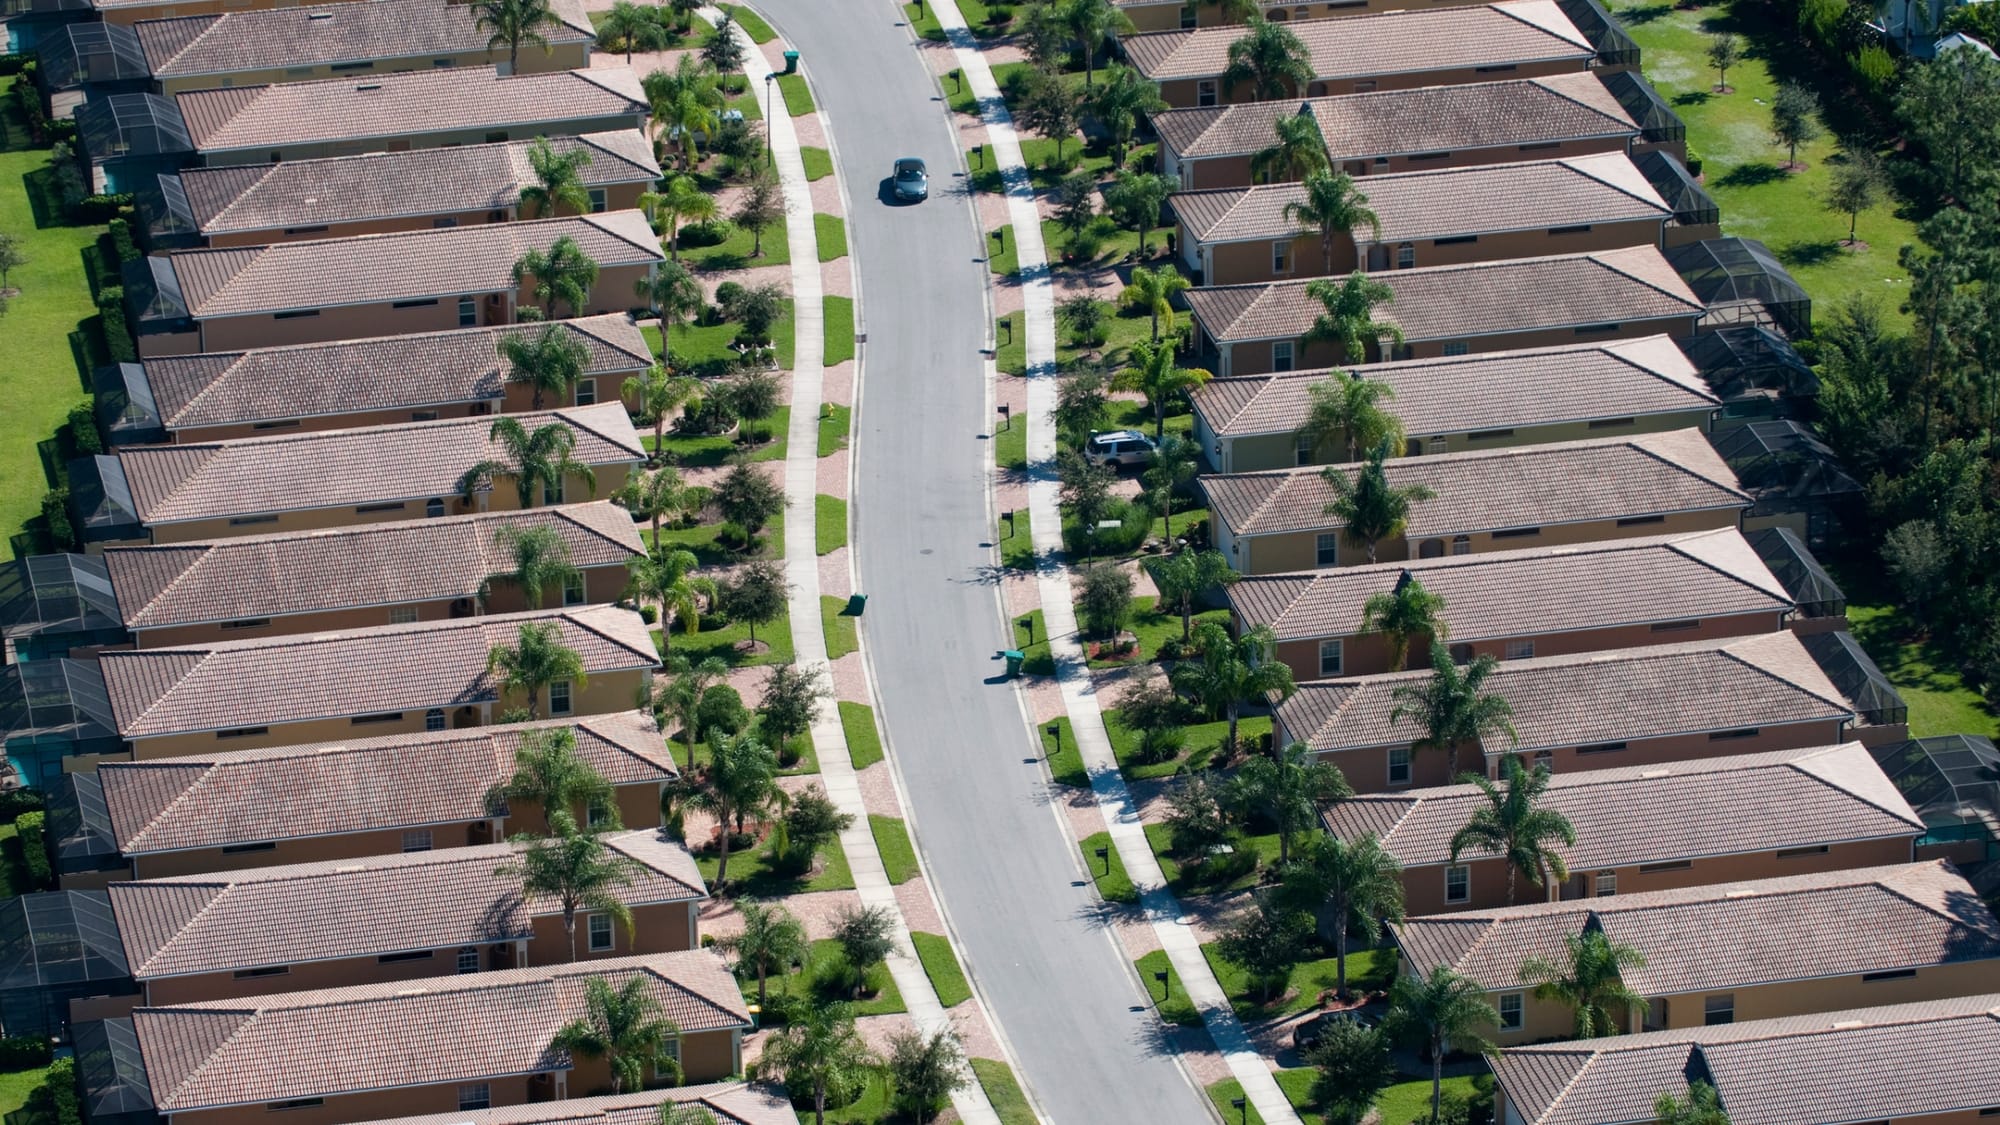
(1800, 765)
(222, 890)
(243, 1025)
(264, 174)
(1729, 652)
(180, 681)
(213, 386)
(1555, 88)
(1580, 166)
(1606, 258)
(201, 551)
(186, 793)
(1678, 547)
(1512, 10)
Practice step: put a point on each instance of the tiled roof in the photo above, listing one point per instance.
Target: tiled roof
(392, 105)
(381, 373)
(1521, 111)
(1533, 592)
(361, 672)
(1663, 814)
(371, 269)
(1589, 698)
(1464, 301)
(1904, 1062)
(359, 785)
(383, 1036)
(1520, 31)
(235, 920)
(349, 567)
(387, 185)
(1443, 202)
(728, 1103)
(1730, 935)
(1491, 490)
(336, 468)
(234, 42)
(1488, 391)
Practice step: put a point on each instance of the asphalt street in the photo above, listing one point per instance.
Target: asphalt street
(1010, 879)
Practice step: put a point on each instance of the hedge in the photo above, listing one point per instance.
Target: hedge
(121, 242)
(14, 802)
(83, 428)
(55, 513)
(118, 343)
(24, 1052)
(100, 208)
(55, 1101)
(35, 849)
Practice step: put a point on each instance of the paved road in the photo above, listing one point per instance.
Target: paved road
(1069, 1005)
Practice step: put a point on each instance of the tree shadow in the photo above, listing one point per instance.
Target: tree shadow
(1632, 17)
(1751, 175)
(1693, 97)
(1811, 253)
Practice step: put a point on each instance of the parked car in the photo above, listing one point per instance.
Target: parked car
(912, 180)
(1306, 1036)
(1118, 448)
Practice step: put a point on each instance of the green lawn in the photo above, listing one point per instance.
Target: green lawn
(16, 1085)
(978, 18)
(710, 343)
(721, 641)
(1189, 880)
(750, 873)
(842, 634)
(1017, 542)
(752, 24)
(864, 742)
(1154, 628)
(1400, 1104)
(818, 162)
(1743, 166)
(1366, 969)
(1010, 442)
(44, 376)
(1065, 760)
(834, 422)
(807, 981)
(703, 540)
(831, 231)
(1203, 740)
(1171, 999)
(1939, 701)
(829, 524)
(997, 1079)
(1003, 252)
(1010, 340)
(798, 96)
(739, 249)
(1043, 170)
(892, 840)
(941, 965)
(839, 329)
(717, 449)
(1108, 872)
(958, 95)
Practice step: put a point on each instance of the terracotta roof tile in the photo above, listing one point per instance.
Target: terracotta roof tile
(1580, 700)
(365, 671)
(235, 42)
(338, 468)
(1524, 486)
(729, 1103)
(360, 785)
(369, 1037)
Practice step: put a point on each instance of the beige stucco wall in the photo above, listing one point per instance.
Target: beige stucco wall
(1258, 452)
(534, 60)
(1167, 17)
(1277, 554)
(343, 1108)
(1234, 171)
(309, 849)
(312, 150)
(167, 9)
(1253, 357)
(1368, 655)
(618, 197)
(198, 434)
(1186, 92)
(1244, 263)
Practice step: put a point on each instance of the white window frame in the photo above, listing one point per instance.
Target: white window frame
(1521, 648)
(434, 719)
(1326, 548)
(1513, 1011)
(418, 840)
(403, 615)
(1709, 1008)
(562, 700)
(1461, 544)
(1406, 255)
(1605, 885)
(600, 200)
(475, 1095)
(1284, 356)
(434, 508)
(468, 312)
(1302, 449)
(1400, 761)
(1464, 880)
(603, 935)
(552, 494)
(586, 392)
(1456, 347)
(1206, 93)
(473, 965)
(1281, 256)
(1335, 650)
(574, 593)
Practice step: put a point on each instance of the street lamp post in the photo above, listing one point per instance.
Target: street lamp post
(770, 158)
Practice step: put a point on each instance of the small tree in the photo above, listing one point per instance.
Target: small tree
(634, 28)
(1076, 202)
(562, 273)
(667, 578)
(537, 659)
(1588, 979)
(624, 1026)
(1125, 99)
(1347, 315)
(1104, 599)
(751, 395)
(1702, 1106)
(791, 698)
(1514, 825)
(1354, 886)
(1271, 59)
(1267, 942)
(749, 499)
(1186, 575)
(574, 868)
(1452, 708)
(1723, 53)
(551, 775)
(1155, 372)
(1080, 405)
(540, 557)
(722, 50)
(762, 207)
(510, 23)
(924, 1071)
(12, 257)
(1157, 714)
(558, 176)
(818, 1052)
(1153, 290)
(682, 202)
(1136, 198)
(740, 780)
(812, 822)
(1354, 1067)
(1085, 317)
(1086, 488)
(756, 596)
(1794, 120)
(1196, 819)
(1348, 413)
(658, 395)
(1288, 789)
(1918, 562)
(1857, 184)
(866, 937)
(1052, 108)
(770, 941)
(1436, 1013)
(1173, 466)
(1234, 671)
(672, 292)
(679, 694)
(756, 307)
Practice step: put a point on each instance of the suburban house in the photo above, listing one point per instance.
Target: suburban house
(344, 384)
(1499, 500)
(394, 679)
(1391, 51)
(333, 801)
(1436, 217)
(378, 193)
(1544, 601)
(357, 577)
(128, 12)
(1165, 15)
(1898, 1064)
(1589, 711)
(289, 482)
(450, 1043)
(418, 913)
(1441, 311)
(1404, 130)
(371, 285)
(1249, 423)
(727, 1103)
(1762, 949)
(254, 48)
(1653, 828)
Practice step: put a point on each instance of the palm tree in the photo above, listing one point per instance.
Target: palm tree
(549, 772)
(625, 1026)
(739, 780)
(635, 27)
(688, 98)
(541, 461)
(662, 493)
(1703, 1106)
(681, 203)
(667, 577)
(683, 11)
(1288, 788)
(1091, 23)
(1450, 707)
(1236, 11)
(770, 941)
(558, 176)
(565, 273)
(656, 395)
(1299, 149)
(1588, 980)
(1271, 58)
(1353, 885)
(1232, 671)
(1348, 316)
(1155, 374)
(510, 23)
(1153, 290)
(1125, 99)
(1347, 411)
(1182, 577)
(1368, 507)
(1332, 206)
(574, 868)
(820, 1051)
(672, 292)
(1436, 1012)
(680, 694)
(541, 560)
(1513, 824)
(549, 360)
(1173, 465)
(536, 660)
(1400, 616)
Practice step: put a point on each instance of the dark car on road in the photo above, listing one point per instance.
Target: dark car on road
(912, 181)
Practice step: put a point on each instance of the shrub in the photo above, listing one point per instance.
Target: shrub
(100, 208)
(1104, 600)
(121, 241)
(1693, 161)
(12, 64)
(810, 824)
(649, 614)
(83, 428)
(17, 801)
(924, 1070)
(55, 513)
(118, 343)
(55, 1101)
(1875, 67)
(24, 1052)
(1134, 523)
(791, 698)
(34, 847)
(721, 709)
(705, 418)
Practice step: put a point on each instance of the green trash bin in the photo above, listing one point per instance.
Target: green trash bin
(855, 604)
(1015, 658)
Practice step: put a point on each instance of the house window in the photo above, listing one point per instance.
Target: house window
(1517, 533)
(1461, 654)
(1362, 86)
(1461, 544)
(476, 1096)
(423, 415)
(413, 304)
(1456, 347)
(1399, 766)
(468, 960)
(1456, 240)
(1495, 69)
(403, 615)
(1281, 256)
(434, 719)
(1595, 329)
(497, 138)
(1204, 92)
(267, 971)
(1673, 626)
(1510, 1011)
(296, 314)
(1189, 18)
(417, 840)
(1640, 521)
(242, 732)
(1329, 658)
(1545, 760)
(445, 223)
(240, 849)
(600, 932)
(305, 230)
(1489, 435)
(1611, 423)
(599, 201)
(1607, 884)
(573, 591)
(375, 509)
(552, 492)
(1406, 256)
(1655, 868)
(247, 623)
(1578, 228)
(399, 958)
(1798, 853)
(468, 312)
(1519, 650)
(1438, 445)
(1281, 356)
(559, 701)
(1601, 748)
(434, 508)
(1733, 735)
(1892, 974)
(351, 67)
(287, 424)
(1326, 548)
(376, 719)
(586, 392)
(296, 1103)
(1458, 884)
(245, 521)
(1718, 1009)
(1302, 450)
